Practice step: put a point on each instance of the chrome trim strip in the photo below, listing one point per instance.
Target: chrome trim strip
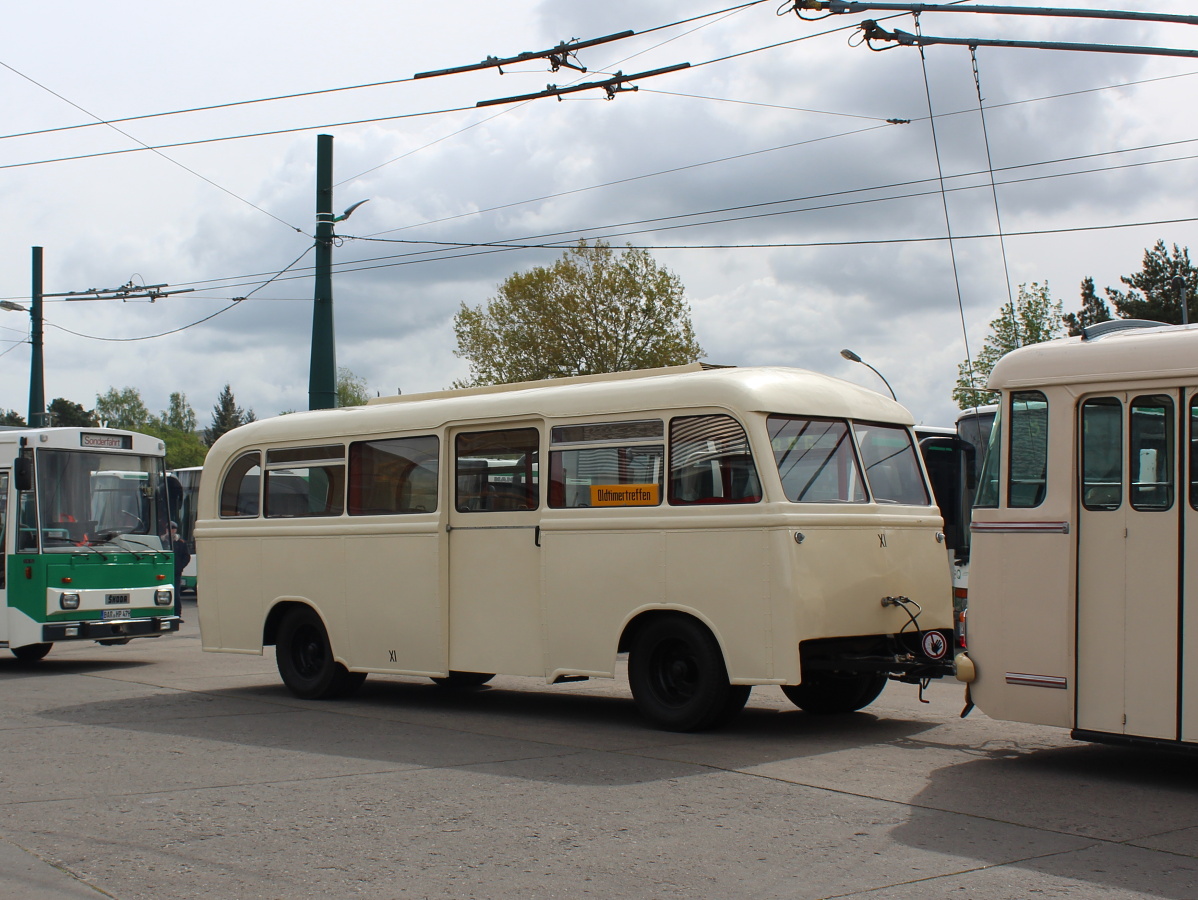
(1019, 527)
(449, 528)
(1044, 681)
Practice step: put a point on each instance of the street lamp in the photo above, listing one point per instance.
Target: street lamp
(853, 357)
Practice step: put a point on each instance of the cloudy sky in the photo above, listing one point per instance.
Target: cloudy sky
(766, 176)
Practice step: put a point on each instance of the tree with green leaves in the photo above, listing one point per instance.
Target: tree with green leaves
(11, 417)
(351, 389)
(592, 311)
(1035, 318)
(122, 409)
(68, 413)
(1150, 293)
(226, 416)
(177, 428)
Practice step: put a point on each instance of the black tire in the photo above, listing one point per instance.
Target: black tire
(31, 652)
(678, 677)
(829, 694)
(305, 659)
(463, 679)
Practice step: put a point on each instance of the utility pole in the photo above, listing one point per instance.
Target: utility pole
(322, 375)
(37, 384)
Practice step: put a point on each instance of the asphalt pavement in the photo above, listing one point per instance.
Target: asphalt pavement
(156, 771)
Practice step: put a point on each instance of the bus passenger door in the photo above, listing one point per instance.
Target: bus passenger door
(4, 526)
(1189, 569)
(494, 555)
(1128, 565)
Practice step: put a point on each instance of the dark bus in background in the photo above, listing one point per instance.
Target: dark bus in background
(953, 457)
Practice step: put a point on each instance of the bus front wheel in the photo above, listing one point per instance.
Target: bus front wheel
(827, 694)
(31, 652)
(678, 677)
(305, 659)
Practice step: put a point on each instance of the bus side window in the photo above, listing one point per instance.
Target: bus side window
(1028, 467)
(1151, 457)
(497, 471)
(1102, 453)
(710, 462)
(304, 481)
(393, 476)
(606, 476)
(239, 492)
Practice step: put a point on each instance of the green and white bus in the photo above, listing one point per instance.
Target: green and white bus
(84, 530)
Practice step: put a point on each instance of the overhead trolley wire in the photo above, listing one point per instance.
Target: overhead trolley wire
(298, 95)
(947, 220)
(145, 146)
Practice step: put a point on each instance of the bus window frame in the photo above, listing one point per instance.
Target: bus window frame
(1016, 417)
(1169, 406)
(672, 498)
(233, 467)
(531, 465)
(1085, 485)
(847, 463)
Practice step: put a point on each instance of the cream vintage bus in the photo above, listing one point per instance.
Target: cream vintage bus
(1083, 594)
(725, 527)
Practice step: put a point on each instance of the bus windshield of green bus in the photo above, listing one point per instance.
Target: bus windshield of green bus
(85, 499)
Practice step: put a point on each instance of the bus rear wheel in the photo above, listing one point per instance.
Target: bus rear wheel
(305, 659)
(834, 693)
(678, 677)
(31, 652)
(463, 679)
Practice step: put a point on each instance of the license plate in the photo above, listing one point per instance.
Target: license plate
(116, 614)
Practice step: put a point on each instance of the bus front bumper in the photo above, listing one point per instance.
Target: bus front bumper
(114, 631)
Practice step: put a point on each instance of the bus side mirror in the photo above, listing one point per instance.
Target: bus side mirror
(22, 469)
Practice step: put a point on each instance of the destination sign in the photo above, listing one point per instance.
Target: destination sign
(625, 494)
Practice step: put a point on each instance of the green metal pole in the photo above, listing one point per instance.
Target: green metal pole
(37, 385)
(322, 377)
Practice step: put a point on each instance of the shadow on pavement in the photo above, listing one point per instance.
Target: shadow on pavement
(1120, 817)
(11, 667)
(408, 723)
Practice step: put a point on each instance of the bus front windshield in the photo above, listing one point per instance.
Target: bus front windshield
(87, 499)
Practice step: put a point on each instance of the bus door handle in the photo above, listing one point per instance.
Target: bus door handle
(536, 535)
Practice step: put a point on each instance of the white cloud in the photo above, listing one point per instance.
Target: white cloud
(108, 219)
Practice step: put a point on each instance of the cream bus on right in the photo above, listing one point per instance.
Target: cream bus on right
(1083, 596)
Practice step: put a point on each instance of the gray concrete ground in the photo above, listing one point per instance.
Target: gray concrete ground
(157, 771)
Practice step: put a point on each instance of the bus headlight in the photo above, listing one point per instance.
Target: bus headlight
(164, 598)
(68, 601)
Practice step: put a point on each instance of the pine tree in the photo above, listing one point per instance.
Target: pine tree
(1152, 294)
(1093, 311)
(226, 416)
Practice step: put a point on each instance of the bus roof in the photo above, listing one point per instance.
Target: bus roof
(1141, 354)
(71, 437)
(756, 389)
